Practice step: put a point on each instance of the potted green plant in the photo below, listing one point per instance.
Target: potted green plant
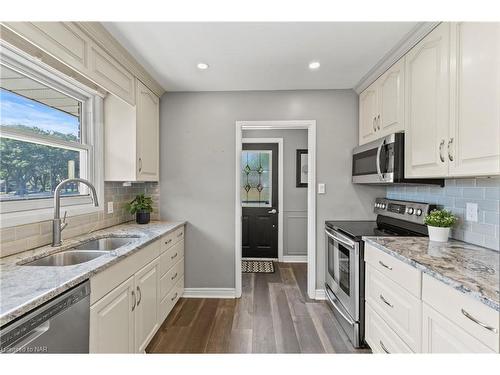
(439, 223)
(141, 206)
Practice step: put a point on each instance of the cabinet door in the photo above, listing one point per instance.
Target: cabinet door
(442, 336)
(146, 311)
(474, 143)
(148, 125)
(368, 114)
(427, 105)
(391, 100)
(112, 321)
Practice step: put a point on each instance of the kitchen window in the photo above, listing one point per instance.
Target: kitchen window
(49, 127)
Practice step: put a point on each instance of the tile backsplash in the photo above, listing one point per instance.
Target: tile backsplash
(454, 197)
(24, 237)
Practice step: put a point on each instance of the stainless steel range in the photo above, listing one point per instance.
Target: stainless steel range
(345, 268)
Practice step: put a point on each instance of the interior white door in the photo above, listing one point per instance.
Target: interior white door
(427, 105)
(146, 311)
(391, 99)
(112, 321)
(442, 336)
(368, 114)
(148, 117)
(474, 143)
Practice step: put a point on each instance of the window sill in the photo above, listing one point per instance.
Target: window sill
(13, 219)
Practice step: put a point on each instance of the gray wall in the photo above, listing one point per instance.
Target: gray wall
(198, 168)
(294, 198)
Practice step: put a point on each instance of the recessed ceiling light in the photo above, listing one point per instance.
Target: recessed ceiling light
(202, 66)
(314, 65)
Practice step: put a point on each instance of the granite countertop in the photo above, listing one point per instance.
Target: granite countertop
(23, 288)
(470, 269)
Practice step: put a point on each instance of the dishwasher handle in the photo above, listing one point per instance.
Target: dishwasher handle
(36, 333)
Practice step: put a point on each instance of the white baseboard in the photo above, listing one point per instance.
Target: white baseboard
(294, 259)
(320, 294)
(209, 293)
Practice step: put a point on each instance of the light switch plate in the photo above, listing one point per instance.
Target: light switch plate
(321, 188)
(110, 207)
(471, 212)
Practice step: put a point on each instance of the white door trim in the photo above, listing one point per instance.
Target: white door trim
(310, 126)
(279, 141)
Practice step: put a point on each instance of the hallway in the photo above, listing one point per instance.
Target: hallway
(274, 315)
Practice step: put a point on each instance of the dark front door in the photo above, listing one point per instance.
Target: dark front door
(259, 199)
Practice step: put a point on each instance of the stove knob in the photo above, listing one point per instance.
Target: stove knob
(410, 210)
(382, 206)
(376, 205)
(419, 212)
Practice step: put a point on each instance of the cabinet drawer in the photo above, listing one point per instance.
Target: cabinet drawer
(380, 337)
(168, 280)
(171, 256)
(171, 238)
(404, 275)
(456, 306)
(400, 310)
(168, 303)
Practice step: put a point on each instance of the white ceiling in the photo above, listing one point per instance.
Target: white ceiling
(258, 56)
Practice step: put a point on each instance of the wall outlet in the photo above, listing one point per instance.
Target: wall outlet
(110, 207)
(471, 212)
(321, 188)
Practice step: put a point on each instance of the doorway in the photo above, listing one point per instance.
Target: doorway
(310, 126)
(260, 200)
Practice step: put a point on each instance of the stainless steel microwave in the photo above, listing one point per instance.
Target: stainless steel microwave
(382, 162)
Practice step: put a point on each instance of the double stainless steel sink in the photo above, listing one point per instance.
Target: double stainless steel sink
(82, 253)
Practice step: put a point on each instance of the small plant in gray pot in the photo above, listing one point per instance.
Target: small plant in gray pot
(439, 223)
(142, 207)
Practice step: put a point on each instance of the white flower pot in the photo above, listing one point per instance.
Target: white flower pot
(438, 234)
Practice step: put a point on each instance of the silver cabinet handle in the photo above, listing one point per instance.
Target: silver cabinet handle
(139, 294)
(385, 301)
(134, 301)
(174, 297)
(173, 277)
(173, 256)
(383, 347)
(384, 265)
(450, 156)
(469, 316)
(167, 242)
(140, 164)
(441, 144)
(378, 122)
(180, 234)
(273, 211)
(374, 123)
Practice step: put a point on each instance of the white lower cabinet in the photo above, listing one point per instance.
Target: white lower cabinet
(112, 321)
(440, 319)
(131, 299)
(146, 310)
(440, 335)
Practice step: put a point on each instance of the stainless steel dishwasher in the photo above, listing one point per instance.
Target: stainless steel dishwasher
(59, 326)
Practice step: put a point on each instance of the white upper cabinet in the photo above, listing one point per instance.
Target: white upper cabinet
(474, 139)
(368, 114)
(381, 105)
(427, 105)
(148, 126)
(131, 137)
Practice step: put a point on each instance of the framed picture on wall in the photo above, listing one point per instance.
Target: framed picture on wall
(301, 168)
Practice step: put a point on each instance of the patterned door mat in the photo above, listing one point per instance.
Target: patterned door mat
(260, 266)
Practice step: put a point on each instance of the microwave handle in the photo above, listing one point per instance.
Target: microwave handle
(379, 151)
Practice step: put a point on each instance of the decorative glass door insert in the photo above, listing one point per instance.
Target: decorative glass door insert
(256, 178)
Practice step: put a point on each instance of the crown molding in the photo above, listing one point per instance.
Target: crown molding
(404, 45)
(105, 40)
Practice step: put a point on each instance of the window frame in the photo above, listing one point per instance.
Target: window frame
(91, 133)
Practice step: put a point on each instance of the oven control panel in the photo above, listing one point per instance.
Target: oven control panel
(404, 210)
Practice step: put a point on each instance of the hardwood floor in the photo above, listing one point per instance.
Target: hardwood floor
(274, 315)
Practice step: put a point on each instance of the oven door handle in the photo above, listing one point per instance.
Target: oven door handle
(379, 151)
(334, 303)
(343, 241)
